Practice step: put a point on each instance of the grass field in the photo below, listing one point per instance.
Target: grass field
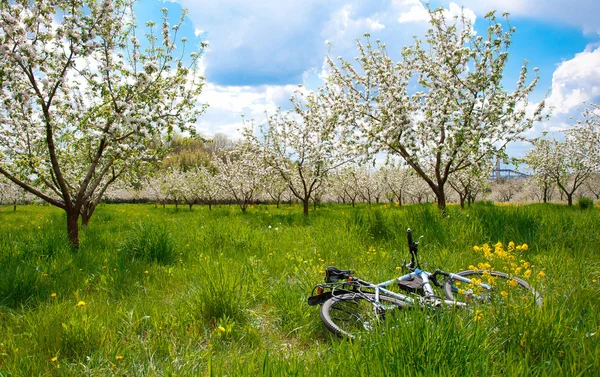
(156, 291)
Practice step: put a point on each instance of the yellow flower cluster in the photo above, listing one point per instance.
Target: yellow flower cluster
(505, 259)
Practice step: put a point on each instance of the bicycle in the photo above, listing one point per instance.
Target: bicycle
(350, 305)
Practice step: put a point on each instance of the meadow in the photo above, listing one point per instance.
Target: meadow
(159, 291)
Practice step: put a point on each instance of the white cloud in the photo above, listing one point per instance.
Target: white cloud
(578, 13)
(229, 105)
(375, 24)
(417, 13)
(576, 81)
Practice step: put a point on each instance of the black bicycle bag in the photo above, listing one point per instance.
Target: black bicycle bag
(414, 285)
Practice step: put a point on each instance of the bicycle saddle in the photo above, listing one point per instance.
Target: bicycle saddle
(333, 274)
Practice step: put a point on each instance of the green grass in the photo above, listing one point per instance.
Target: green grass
(174, 292)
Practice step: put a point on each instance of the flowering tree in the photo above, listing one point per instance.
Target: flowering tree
(304, 146)
(572, 161)
(396, 180)
(369, 184)
(593, 185)
(10, 193)
(152, 189)
(539, 190)
(541, 162)
(345, 184)
(208, 188)
(505, 189)
(460, 113)
(469, 183)
(241, 174)
(276, 186)
(81, 98)
(183, 186)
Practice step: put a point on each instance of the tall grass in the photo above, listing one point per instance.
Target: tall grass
(174, 292)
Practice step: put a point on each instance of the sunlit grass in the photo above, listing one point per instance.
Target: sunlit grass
(174, 292)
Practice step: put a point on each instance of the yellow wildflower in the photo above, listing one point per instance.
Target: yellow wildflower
(511, 246)
(527, 274)
(513, 283)
(54, 359)
(146, 272)
(53, 295)
(478, 315)
(476, 248)
(525, 247)
(80, 304)
(504, 293)
(119, 357)
(487, 251)
(542, 274)
(221, 329)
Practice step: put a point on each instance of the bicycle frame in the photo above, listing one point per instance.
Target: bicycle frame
(429, 298)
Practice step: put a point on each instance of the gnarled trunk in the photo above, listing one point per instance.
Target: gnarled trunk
(72, 227)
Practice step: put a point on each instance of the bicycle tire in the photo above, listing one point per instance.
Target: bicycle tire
(501, 291)
(358, 310)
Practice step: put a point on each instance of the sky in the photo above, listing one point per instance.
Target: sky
(261, 50)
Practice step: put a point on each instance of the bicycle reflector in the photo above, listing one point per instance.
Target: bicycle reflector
(319, 290)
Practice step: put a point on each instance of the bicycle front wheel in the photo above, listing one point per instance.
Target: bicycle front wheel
(490, 286)
(349, 314)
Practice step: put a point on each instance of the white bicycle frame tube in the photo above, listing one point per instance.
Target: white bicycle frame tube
(428, 289)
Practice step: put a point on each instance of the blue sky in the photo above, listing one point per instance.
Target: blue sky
(260, 50)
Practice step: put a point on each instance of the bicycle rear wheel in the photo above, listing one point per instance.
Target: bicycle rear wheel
(349, 314)
(502, 288)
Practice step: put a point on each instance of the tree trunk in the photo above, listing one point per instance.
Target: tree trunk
(190, 204)
(462, 202)
(305, 203)
(85, 216)
(72, 227)
(400, 199)
(176, 203)
(570, 199)
(15, 206)
(441, 201)
(353, 201)
(209, 205)
(163, 203)
(314, 205)
(278, 202)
